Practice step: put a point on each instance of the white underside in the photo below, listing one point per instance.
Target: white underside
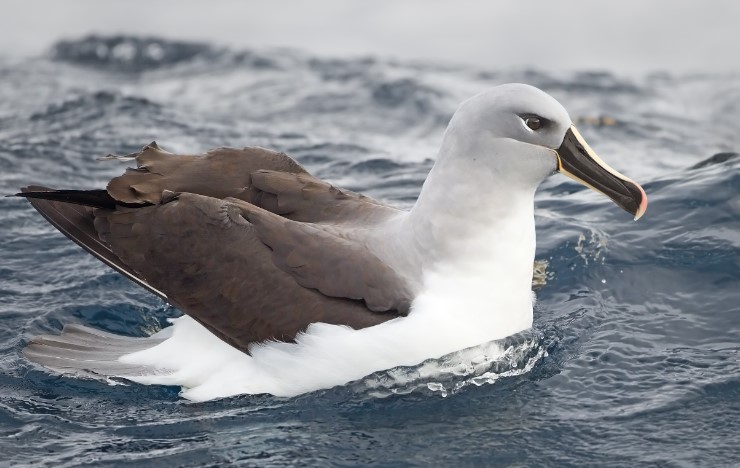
(450, 315)
(324, 356)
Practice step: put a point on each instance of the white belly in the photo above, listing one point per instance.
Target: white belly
(442, 321)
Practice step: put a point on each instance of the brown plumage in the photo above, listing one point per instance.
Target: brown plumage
(244, 241)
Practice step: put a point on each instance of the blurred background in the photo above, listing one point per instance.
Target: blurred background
(627, 36)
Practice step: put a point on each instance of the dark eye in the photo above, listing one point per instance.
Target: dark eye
(533, 122)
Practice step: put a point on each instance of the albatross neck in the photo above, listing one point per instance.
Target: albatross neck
(467, 201)
(474, 237)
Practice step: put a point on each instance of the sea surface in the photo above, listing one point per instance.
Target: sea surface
(633, 359)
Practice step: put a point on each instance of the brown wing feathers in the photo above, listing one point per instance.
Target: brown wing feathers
(302, 197)
(222, 172)
(247, 281)
(77, 222)
(309, 251)
(210, 263)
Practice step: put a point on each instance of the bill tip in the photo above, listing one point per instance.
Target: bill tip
(643, 203)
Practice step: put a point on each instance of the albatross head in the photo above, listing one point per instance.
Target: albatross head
(520, 135)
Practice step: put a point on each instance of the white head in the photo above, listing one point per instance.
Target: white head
(474, 221)
(509, 111)
(515, 135)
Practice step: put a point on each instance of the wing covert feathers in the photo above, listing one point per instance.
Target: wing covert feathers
(211, 264)
(222, 172)
(263, 265)
(321, 258)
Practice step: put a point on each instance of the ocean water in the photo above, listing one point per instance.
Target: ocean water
(633, 358)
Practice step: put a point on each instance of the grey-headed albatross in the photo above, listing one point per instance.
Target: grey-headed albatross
(290, 284)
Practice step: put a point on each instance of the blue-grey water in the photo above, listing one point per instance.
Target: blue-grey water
(633, 359)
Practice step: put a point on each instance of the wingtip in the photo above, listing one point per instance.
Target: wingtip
(29, 188)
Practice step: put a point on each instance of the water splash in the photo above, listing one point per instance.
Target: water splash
(479, 365)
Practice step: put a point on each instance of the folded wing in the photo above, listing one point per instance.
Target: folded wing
(210, 263)
(247, 281)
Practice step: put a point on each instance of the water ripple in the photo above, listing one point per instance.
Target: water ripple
(634, 356)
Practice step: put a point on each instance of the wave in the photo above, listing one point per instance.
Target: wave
(446, 376)
(128, 53)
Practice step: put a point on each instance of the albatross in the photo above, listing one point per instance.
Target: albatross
(290, 284)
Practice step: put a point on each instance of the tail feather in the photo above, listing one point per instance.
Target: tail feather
(80, 350)
(87, 352)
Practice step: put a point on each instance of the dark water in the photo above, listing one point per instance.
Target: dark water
(636, 334)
